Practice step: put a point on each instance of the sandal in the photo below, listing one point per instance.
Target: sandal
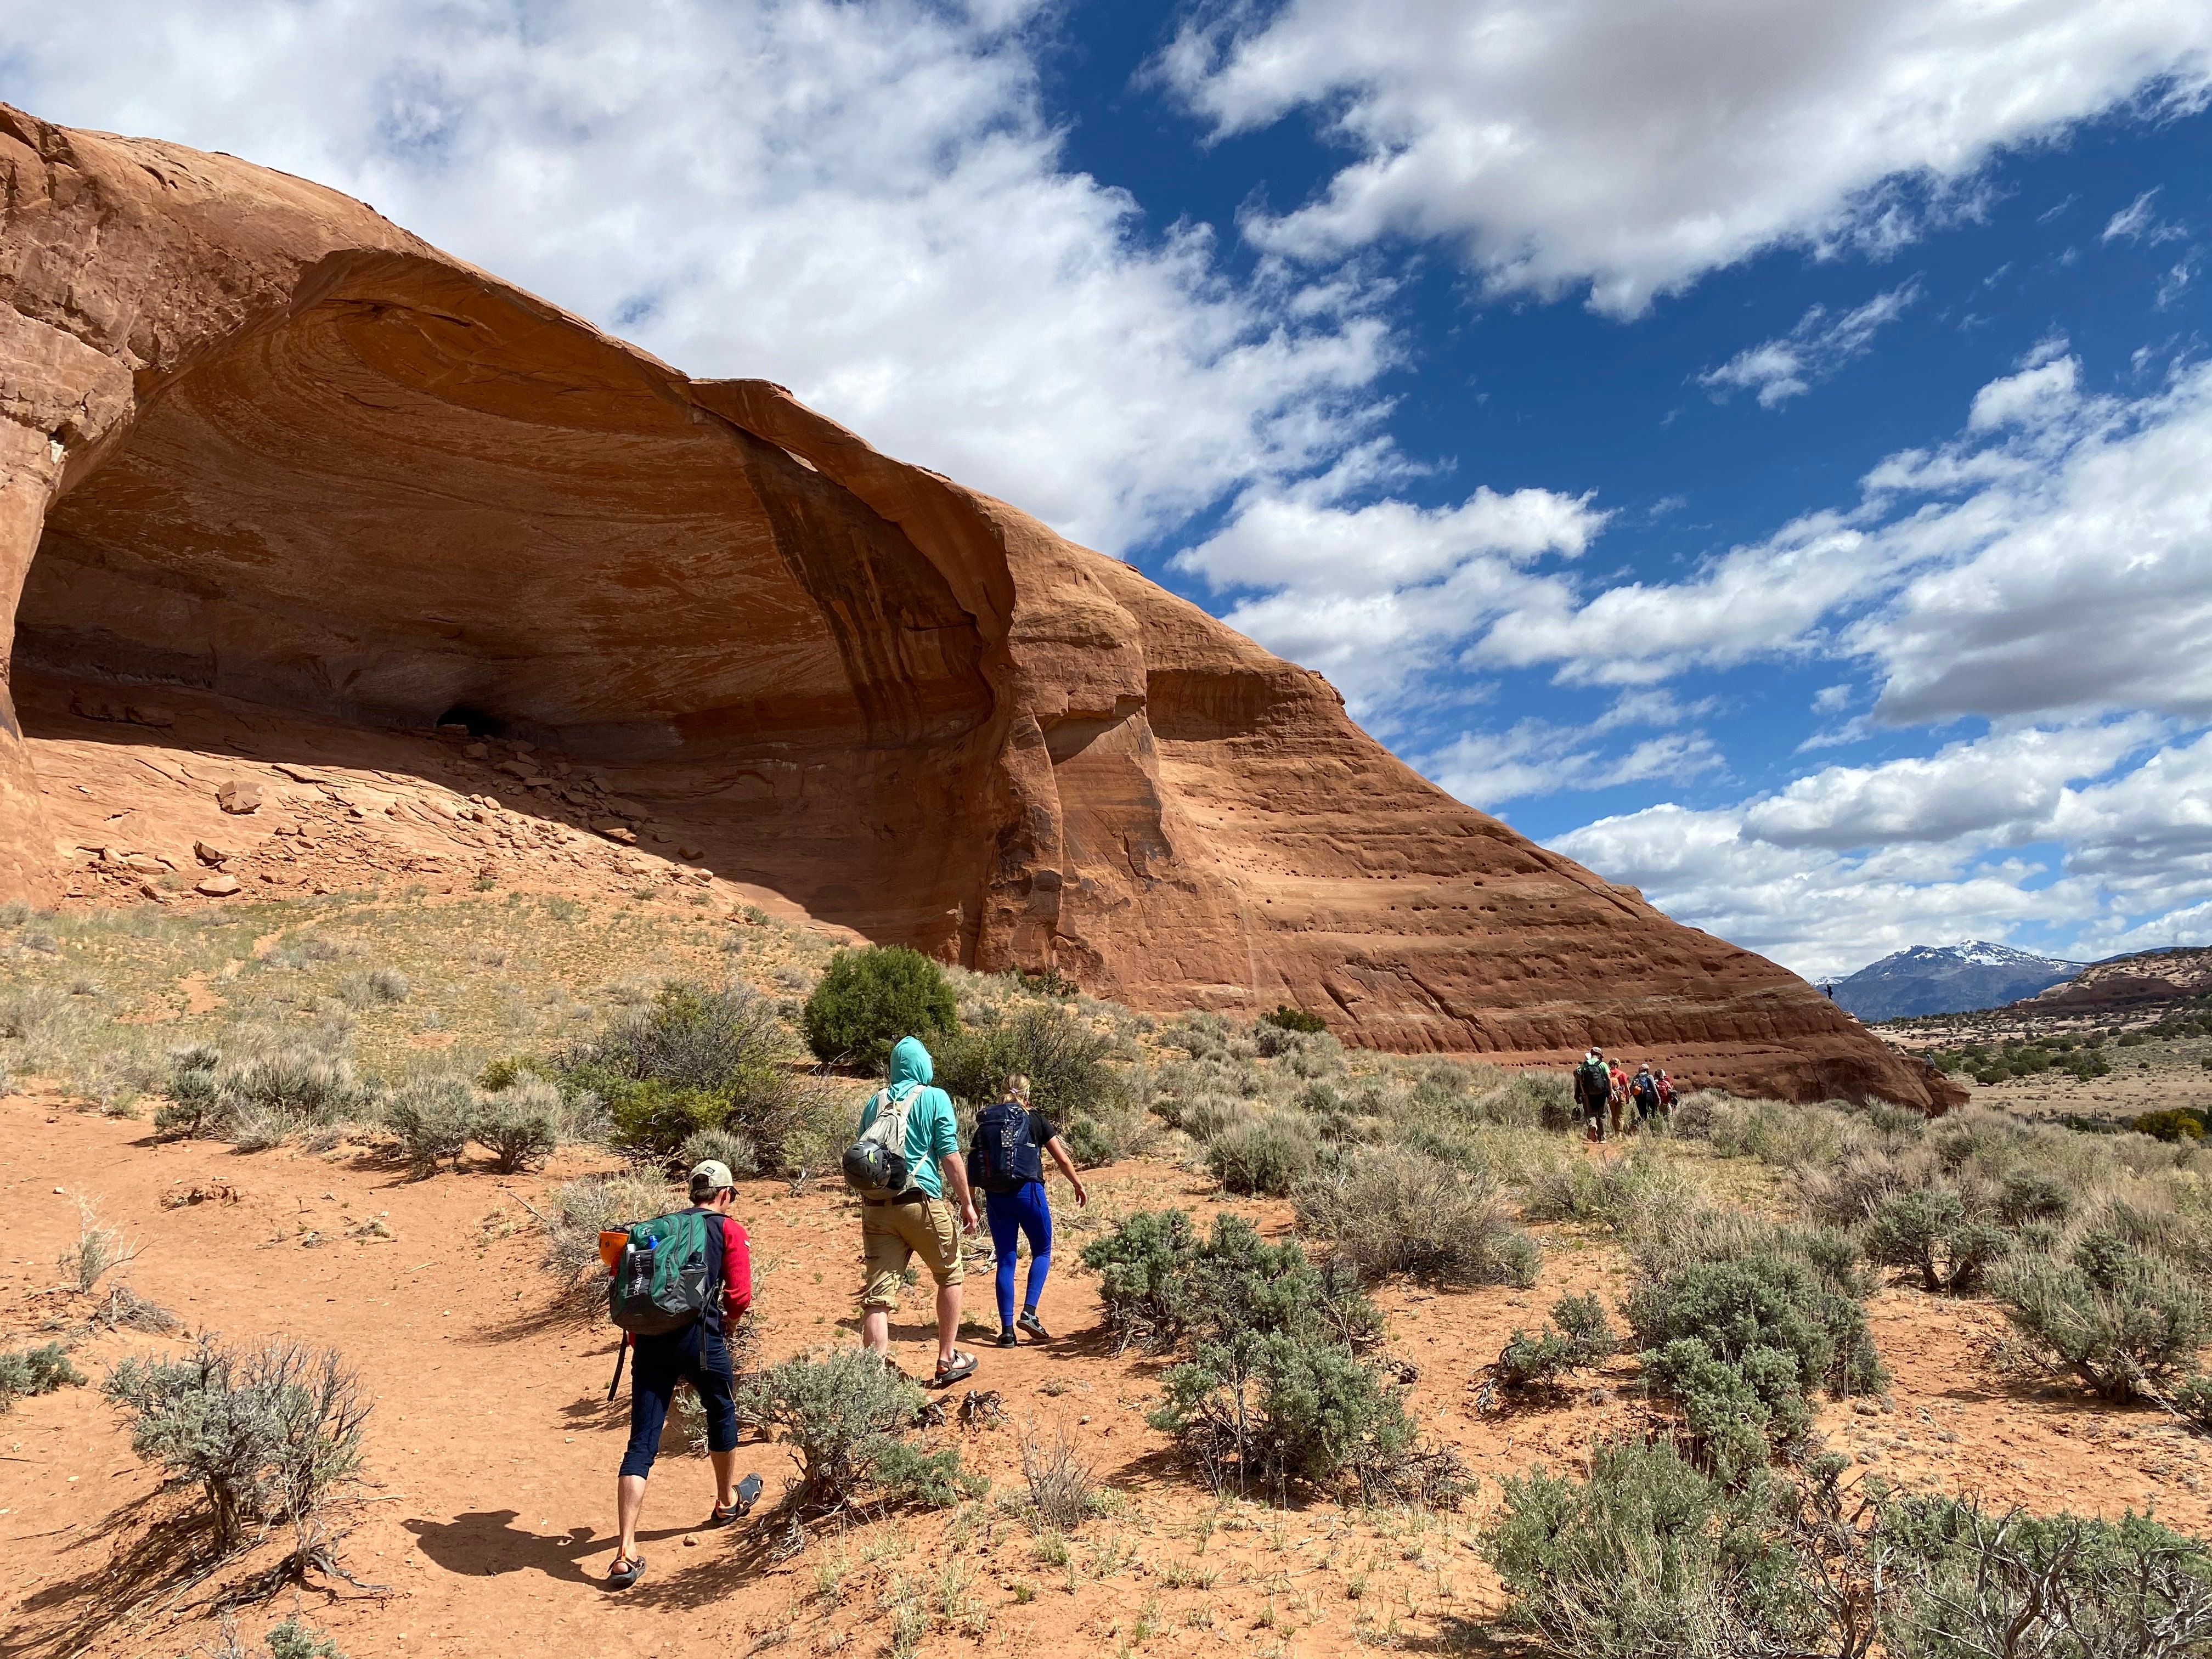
(1029, 1321)
(749, 1490)
(958, 1369)
(624, 1572)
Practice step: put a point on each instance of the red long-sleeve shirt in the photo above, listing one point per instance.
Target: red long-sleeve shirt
(737, 1269)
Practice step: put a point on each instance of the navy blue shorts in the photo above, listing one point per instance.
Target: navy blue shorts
(694, 1354)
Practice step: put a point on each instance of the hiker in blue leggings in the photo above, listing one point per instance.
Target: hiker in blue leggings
(1007, 1159)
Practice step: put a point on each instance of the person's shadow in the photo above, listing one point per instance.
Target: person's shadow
(487, 1542)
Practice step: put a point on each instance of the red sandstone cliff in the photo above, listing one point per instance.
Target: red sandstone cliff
(262, 447)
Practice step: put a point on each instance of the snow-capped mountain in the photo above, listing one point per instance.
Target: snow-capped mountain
(1949, 979)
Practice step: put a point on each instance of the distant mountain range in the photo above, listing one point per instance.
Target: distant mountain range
(1949, 979)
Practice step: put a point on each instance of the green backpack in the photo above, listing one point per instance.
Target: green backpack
(659, 1282)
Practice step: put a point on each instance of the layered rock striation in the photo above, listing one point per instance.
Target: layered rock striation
(261, 447)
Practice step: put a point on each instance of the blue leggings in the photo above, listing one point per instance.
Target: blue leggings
(1023, 1211)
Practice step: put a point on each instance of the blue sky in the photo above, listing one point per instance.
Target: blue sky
(1764, 453)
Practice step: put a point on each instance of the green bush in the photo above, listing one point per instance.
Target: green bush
(844, 1413)
(1388, 1210)
(1927, 1229)
(2170, 1124)
(1287, 1018)
(267, 1433)
(1274, 1409)
(25, 1372)
(868, 1000)
(1266, 1156)
(1647, 1559)
(1969, 1583)
(434, 1118)
(1143, 1269)
(1619, 1193)
(1648, 1556)
(294, 1640)
(1065, 1058)
(1161, 1282)
(2121, 1323)
(1272, 1393)
(692, 1060)
(1741, 1343)
(257, 1099)
(1578, 1337)
(726, 1146)
(516, 1126)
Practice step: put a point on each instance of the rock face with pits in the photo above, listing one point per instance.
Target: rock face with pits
(259, 448)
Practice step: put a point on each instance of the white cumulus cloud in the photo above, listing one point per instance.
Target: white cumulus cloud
(1632, 146)
(1375, 594)
(866, 201)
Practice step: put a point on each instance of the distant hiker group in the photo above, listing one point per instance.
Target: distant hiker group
(676, 1283)
(1605, 1092)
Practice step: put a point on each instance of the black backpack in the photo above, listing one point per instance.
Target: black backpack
(1007, 1156)
(1597, 1082)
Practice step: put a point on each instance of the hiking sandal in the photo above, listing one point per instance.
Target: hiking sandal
(749, 1491)
(1006, 1339)
(958, 1369)
(624, 1573)
(1029, 1321)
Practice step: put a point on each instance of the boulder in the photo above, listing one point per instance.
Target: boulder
(216, 886)
(239, 795)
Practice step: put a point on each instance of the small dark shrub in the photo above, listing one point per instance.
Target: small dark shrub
(1388, 1210)
(1268, 1155)
(1287, 1018)
(868, 1000)
(1578, 1337)
(2171, 1124)
(25, 1372)
(268, 1434)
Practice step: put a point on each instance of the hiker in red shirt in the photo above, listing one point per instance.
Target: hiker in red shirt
(698, 1353)
(1619, 1102)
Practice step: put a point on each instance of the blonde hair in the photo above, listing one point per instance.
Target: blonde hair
(1018, 1088)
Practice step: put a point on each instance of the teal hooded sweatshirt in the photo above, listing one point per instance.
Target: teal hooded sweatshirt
(931, 1130)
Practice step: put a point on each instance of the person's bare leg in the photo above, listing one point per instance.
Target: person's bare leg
(629, 1502)
(876, 1330)
(725, 1477)
(948, 1322)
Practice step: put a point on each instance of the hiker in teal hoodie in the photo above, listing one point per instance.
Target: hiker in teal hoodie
(918, 1221)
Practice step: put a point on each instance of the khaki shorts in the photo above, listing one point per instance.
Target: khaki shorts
(892, 1233)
